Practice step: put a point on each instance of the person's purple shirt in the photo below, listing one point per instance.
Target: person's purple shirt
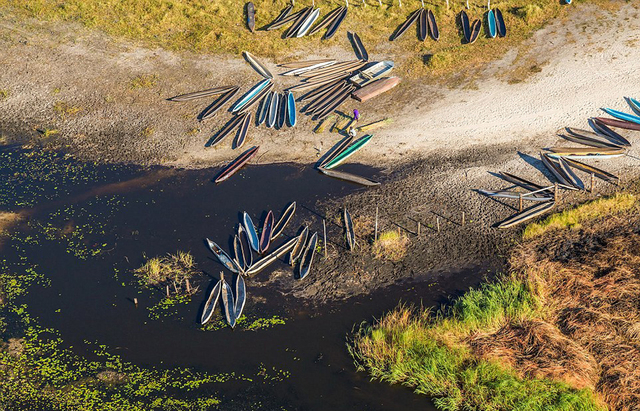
(356, 114)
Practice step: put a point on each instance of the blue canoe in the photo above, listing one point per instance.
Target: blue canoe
(491, 20)
(635, 105)
(622, 116)
(567, 1)
(250, 95)
(291, 110)
(252, 235)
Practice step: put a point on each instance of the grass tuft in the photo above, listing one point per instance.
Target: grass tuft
(172, 268)
(391, 246)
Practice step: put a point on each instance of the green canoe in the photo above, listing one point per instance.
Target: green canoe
(340, 158)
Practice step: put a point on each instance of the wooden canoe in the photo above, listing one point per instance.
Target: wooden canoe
(372, 73)
(212, 302)
(475, 31)
(618, 123)
(338, 148)
(622, 115)
(434, 32)
(423, 26)
(320, 114)
(305, 86)
(251, 17)
(589, 138)
(319, 91)
(282, 112)
(349, 151)
(236, 164)
(250, 230)
(328, 78)
(597, 172)
(559, 173)
(283, 14)
(223, 257)
(319, 71)
(376, 88)
(491, 24)
(527, 214)
(296, 71)
(515, 195)
(602, 128)
(307, 256)
(318, 98)
(348, 228)
(228, 302)
(257, 65)
(287, 19)
(526, 184)
(352, 178)
(216, 105)
(245, 246)
(203, 93)
(306, 25)
(291, 31)
(232, 124)
(269, 259)
(361, 52)
(273, 110)
(291, 110)
(240, 297)
(324, 100)
(296, 65)
(405, 26)
(238, 253)
(298, 247)
(329, 18)
(634, 104)
(264, 108)
(241, 136)
(466, 29)
(284, 219)
(500, 26)
(250, 95)
(256, 99)
(573, 178)
(335, 25)
(265, 236)
(578, 152)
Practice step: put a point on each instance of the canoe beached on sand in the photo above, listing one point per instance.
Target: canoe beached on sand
(527, 214)
(236, 164)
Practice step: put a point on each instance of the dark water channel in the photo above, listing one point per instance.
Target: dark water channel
(90, 299)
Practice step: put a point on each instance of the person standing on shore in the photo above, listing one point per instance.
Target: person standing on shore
(352, 128)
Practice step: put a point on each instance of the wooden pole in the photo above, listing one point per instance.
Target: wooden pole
(592, 181)
(175, 287)
(135, 301)
(375, 235)
(324, 228)
(520, 206)
(168, 295)
(463, 218)
(555, 193)
(188, 286)
(418, 228)
(438, 223)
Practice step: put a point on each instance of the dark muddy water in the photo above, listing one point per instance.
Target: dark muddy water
(305, 360)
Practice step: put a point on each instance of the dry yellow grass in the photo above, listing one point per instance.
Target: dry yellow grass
(390, 245)
(172, 268)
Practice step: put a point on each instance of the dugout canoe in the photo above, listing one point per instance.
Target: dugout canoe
(319, 91)
(526, 184)
(250, 95)
(622, 115)
(287, 19)
(291, 110)
(203, 93)
(298, 247)
(527, 214)
(466, 29)
(349, 151)
(515, 195)
(348, 229)
(318, 115)
(211, 303)
(216, 105)
(375, 88)
(602, 128)
(611, 122)
(423, 26)
(475, 31)
(360, 50)
(343, 65)
(434, 32)
(335, 25)
(597, 172)
(291, 31)
(240, 297)
(256, 99)
(491, 24)
(282, 112)
(589, 138)
(250, 230)
(257, 65)
(329, 18)
(238, 253)
(265, 236)
(264, 109)
(559, 171)
(580, 152)
(306, 25)
(227, 302)
(500, 26)
(236, 164)
(331, 87)
(232, 124)
(634, 104)
(372, 73)
(269, 259)
(325, 100)
(352, 178)
(251, 17)
(284, 219)
(242, 130)
(223, 257)
(413, 17)
(307, 256)
(338, 148)
(299, 70)
(273, 110)
(283, 14)
(245, 245)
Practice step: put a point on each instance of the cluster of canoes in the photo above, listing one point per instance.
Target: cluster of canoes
(246, 242)
(301, 22)
(564, 162)
(339, 154)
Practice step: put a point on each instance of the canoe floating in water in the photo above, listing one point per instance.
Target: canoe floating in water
(527, 214)
(306, 25)
(218, 137)
(250, 95)
(434, 32)
(265, 236)
(245, 245)
(223, 257)
(257, 65)
(328, 19)
(372, 73)
(502, 28)
(491, 24)
(284, 219)
(466, 28)
(628, 125)
(242, 130)
(375, 88)
(349, 151)
(228, 302)
(335, 25)
(240, 297)
(352, 178)
(348, 228)
(298, 247)
(236, 164)
(622, 116)
(413, 17)
(579, 152)
(203, 93)
(291, 109)
(238, 253)
(602, 128)
(307, 256)
(475, 31)
(216, 105)
(597, 172)
(251, 17)
(250, 229)
(423, 26)
(269, 259)
(212, 302)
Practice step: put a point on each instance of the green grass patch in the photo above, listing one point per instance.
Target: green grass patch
(391, 245)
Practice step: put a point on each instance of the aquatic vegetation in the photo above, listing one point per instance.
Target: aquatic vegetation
(391, 245)
(167, 270)
(249, 322)
(168, 306)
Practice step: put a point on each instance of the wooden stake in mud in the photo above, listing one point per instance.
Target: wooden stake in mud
(175, 287)
(463, 218)
(188, 286)
(324, 228)
(168, 295)
(591, 186)
(555, 193)
(418, 228)
(375, 235)
(520, 205)
(438, 223)
(135, 301)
